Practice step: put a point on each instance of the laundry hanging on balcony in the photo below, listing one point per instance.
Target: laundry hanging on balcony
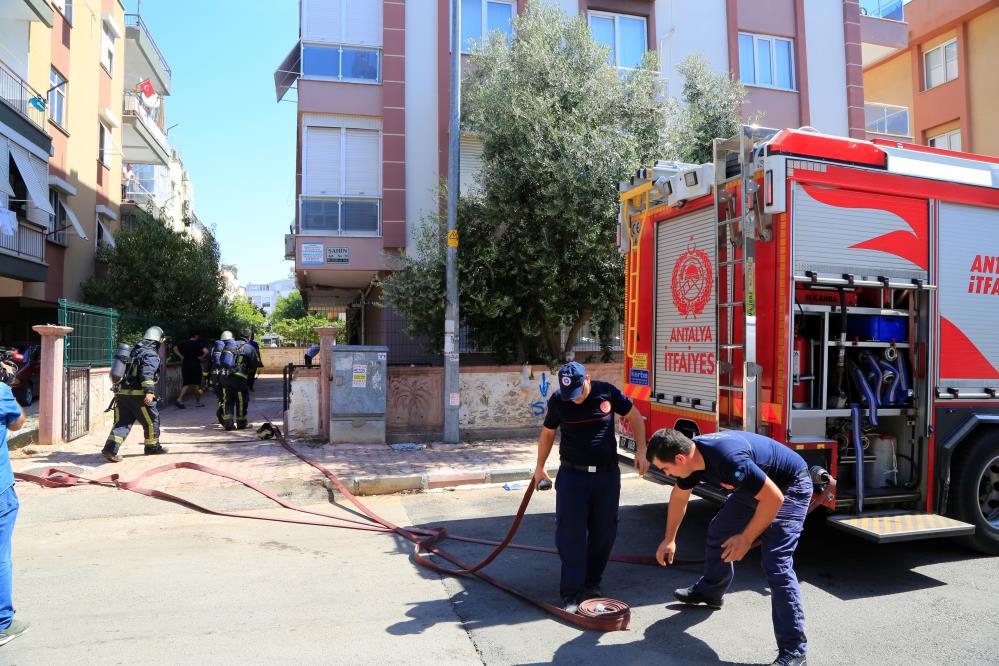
(8, 222)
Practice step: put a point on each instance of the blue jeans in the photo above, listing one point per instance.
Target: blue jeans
(8, 514)
(586, 525)
(776, 555)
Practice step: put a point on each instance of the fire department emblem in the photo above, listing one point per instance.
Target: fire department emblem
(692, 281)
(605, 407)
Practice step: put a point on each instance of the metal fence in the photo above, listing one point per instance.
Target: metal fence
(76, 403)
(16, 92)
(91, 341)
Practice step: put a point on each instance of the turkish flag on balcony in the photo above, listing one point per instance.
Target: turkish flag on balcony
(147, 88)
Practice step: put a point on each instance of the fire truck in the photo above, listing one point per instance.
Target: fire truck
(838, 295)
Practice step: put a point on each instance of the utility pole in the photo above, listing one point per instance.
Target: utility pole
(452, 394)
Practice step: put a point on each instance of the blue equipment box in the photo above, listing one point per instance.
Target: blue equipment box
(877, 328)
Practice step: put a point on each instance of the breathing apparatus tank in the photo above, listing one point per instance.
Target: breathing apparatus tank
(217, 352)
(227, 360)
(120, 364)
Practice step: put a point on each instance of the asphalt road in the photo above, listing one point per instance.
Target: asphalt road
(107, 578)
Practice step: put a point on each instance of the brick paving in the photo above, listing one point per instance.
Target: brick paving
(192, 435)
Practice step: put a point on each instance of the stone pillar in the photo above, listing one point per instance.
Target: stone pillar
(327, 338)
(51, 382)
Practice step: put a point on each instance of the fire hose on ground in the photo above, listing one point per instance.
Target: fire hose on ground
(600, 614)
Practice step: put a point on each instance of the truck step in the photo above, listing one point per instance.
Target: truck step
(891, 526)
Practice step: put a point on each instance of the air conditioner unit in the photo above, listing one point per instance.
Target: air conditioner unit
(289, 246)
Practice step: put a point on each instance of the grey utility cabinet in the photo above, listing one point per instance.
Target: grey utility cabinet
(358, 387)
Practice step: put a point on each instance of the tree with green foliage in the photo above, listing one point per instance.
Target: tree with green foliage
(301, 330)
(242, 313)
(168, 278)
(288, 307)
(560, 127)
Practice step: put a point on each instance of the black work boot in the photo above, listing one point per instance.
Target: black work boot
(110, 455)
(591, 592)
(692, 597)
(153, 450)
(789, 658)
(570, 604)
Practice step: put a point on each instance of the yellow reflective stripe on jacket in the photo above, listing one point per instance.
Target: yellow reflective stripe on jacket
(131, 392)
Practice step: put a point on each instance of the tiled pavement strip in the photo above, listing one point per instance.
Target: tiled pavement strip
(192, 435)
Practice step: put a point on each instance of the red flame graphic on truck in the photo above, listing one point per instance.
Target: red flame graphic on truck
(692, 281)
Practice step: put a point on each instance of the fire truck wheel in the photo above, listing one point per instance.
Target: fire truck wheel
(976, 491)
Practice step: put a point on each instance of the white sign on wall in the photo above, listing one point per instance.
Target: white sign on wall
(312, 253)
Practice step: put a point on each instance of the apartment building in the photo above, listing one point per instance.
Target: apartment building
(265, 295)
(939, 89)
(372, 85)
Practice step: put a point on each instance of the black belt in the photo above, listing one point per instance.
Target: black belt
(590, 468)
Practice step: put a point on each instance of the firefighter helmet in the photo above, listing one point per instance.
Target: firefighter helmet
(154, 333)
(226, 335)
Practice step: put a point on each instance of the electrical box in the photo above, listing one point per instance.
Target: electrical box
(358, 389)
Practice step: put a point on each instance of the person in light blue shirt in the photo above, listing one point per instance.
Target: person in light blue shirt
(11, 418)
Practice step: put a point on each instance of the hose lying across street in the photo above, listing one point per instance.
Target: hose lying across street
(599, 614)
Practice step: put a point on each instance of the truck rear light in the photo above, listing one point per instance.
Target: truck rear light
(768, 187)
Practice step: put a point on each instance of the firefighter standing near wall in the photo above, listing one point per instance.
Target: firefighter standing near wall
(217, 373)
(771, 490)
(235, 391)
(135, 399)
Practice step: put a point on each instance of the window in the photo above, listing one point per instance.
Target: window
(57, 220)
(104, 145)
(103, 235)
(946, 141)
(481, 17)
(940, 64)
(341, 180)
(625, 35)
(766, 61)
(341, 63)
(57, 98)
(65, 8)
(107, 47)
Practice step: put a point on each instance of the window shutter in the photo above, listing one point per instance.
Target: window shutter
(322, 161)
(363, 23)
(470, 163)
(364, 163)
(321, 21)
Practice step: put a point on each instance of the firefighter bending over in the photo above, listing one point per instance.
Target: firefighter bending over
(239, 363)
(135, 398)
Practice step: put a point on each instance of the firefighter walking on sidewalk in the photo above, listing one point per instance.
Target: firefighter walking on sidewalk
(238, 363)
(135, 399)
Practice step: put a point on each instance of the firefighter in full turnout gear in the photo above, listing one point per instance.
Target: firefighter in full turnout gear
(135, 398)
(235, 391)
(217, 373)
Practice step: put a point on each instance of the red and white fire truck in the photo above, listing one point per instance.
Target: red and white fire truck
(840, 296)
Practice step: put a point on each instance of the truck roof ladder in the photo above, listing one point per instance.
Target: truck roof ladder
(738, 226)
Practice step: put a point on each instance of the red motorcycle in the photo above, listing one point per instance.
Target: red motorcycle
(27, 371)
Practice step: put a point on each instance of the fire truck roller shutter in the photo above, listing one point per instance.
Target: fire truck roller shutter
(685, 311)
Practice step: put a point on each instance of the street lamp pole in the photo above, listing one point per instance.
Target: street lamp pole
(452, 393)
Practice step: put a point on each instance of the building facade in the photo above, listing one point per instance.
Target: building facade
(82, 86)
(265, 295)
(373, 86)
(939, 90)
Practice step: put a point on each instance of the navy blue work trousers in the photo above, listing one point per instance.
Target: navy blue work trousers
(586, 524)
(776, 555)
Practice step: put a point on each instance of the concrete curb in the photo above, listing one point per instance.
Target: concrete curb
(387, 485)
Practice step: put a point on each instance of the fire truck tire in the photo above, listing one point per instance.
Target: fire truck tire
(976, 491)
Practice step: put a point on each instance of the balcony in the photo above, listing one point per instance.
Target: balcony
(22, 254)
(23, 108)
(143, 141)
(887, 121)
(340, 216)
(143, 59)
(883, 30)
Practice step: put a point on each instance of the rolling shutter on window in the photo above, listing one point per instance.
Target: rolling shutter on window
(470, 163)
(322, 161)
(321, 21)
(363, 164)
(5, 187)
(35, 174)
(363, 23)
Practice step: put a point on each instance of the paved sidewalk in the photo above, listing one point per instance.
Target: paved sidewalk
(192, 435)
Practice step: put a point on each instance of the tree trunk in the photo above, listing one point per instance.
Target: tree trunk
(550, 339)
(570, 339)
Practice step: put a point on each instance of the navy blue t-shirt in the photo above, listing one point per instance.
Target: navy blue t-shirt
(743, 460)
(588, 428)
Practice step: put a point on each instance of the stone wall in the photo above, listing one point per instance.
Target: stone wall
(302, 417)
(276, 358)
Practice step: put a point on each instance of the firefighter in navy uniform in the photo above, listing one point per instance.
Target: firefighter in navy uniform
(135, 399)
(235, 390)
(588, 486)
(217, 374)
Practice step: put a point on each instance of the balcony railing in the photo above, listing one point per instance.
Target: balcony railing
(886, 119)
(16, 92)
(340, 216)
(135, 108)
(893, 10)
(135, 21)
(27, 241)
